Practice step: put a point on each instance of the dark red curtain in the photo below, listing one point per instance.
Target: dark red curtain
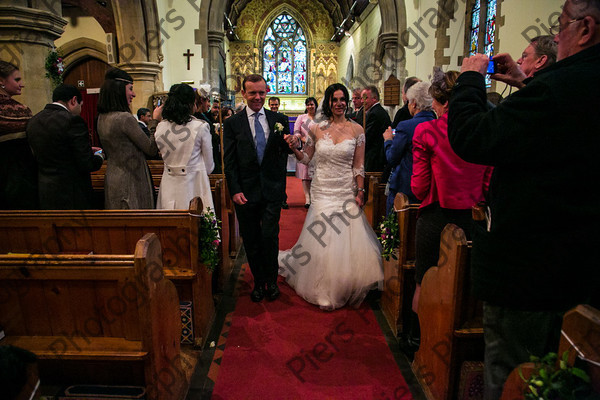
(89, 113)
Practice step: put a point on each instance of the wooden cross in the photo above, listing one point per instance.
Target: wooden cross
(188, 55)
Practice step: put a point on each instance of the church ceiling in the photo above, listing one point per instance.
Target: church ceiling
(338, 10)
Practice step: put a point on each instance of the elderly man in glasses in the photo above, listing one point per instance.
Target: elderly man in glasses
(536, 257)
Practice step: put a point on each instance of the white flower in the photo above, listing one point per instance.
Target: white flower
(278, 127)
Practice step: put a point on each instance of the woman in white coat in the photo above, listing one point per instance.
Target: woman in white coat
(185, 145)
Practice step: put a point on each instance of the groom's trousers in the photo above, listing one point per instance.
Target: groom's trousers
(259, 227)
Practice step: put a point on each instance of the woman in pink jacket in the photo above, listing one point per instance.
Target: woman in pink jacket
(446, 185)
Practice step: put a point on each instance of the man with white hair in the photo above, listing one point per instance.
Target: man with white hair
(398, 147)
(536, 255)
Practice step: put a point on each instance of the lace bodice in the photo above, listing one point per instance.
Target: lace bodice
(338, 151)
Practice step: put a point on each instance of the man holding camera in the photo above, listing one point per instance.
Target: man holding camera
(536, 256)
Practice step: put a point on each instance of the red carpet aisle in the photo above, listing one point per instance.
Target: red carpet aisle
(289, 349)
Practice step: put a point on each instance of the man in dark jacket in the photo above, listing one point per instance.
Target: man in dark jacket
(60, 142)
(378, 121)
(256, 154)
(536, 257)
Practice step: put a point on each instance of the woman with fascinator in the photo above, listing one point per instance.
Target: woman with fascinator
(185, 145)
(127, 183)
(337, 258)
(446, 185)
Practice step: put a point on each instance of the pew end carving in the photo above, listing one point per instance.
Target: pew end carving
(450, 319)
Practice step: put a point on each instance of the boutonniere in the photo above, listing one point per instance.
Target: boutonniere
(278, 128)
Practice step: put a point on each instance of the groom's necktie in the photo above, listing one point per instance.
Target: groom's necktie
(259, 133)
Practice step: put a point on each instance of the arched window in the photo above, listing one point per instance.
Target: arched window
(284, 56)
(483, 41)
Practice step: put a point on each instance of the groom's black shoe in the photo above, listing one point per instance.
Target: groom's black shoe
(258, 293)
(272, 291)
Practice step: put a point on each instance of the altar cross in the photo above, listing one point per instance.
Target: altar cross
(188, 55)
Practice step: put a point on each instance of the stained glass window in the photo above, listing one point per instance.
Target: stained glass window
(284, 56)
(479, 11)
(474, 37)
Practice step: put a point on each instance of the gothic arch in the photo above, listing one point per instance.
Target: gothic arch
(262, 30)
(79, 49)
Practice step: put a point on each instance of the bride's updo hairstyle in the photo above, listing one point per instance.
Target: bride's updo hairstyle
(180, 104)
(329, 95)
(442, 84)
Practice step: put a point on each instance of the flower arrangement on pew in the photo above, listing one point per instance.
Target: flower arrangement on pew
(209, 240)
(389, 236)
(552, 380)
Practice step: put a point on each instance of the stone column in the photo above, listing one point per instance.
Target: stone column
(26, 37)
(134, 36)
(215, 47)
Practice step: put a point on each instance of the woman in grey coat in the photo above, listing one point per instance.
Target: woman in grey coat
(127, 183)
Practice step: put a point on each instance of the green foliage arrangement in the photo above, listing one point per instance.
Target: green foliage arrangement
(54, 67)
(209, 239)
(389, 236)
(554, 381)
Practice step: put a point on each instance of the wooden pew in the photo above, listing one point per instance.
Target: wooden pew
(399, 275)
(217, 186)
(225, 211)
(117, 232)
(375, 199)
(97, 319)
(580, 336)
(450, 319)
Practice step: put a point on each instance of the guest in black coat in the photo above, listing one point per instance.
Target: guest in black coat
(60, 142)
(378, 121)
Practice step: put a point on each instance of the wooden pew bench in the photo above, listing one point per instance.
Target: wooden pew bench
(399, 275)
(218, 188)
(580, 336)
(375, 199)
(222, 204)
(450, 319)
(117, 232)
(97, 319)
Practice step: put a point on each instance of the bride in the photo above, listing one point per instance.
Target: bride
(337, 258)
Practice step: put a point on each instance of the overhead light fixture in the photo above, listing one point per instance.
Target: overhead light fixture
(340, 31)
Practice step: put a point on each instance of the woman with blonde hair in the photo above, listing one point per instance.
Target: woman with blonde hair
(446, 185)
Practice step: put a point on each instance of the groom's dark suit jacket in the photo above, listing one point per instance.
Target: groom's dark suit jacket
(244, 174)
(263, 186)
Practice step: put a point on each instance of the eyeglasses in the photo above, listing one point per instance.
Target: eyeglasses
(556, 29)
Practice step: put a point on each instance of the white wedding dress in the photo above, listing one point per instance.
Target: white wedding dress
(337, 258)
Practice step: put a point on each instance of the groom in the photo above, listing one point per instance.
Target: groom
(256, 152)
